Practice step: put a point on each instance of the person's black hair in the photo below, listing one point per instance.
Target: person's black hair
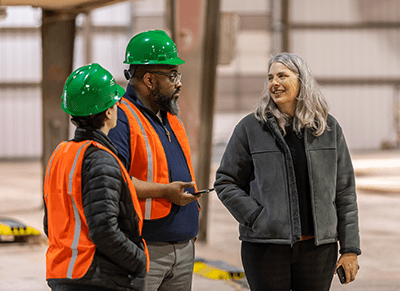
(93, 122)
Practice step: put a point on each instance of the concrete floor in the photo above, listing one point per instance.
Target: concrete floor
(22, 266)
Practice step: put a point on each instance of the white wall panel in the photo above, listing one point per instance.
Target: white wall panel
(22, 16)
(344, 11)
(341, 53)
(253, 6)
(366, 114)
(146, 7)
(118, 14)
(251, 54)
(323, 11)
(21, 123)
(110, 52)
(20, 57)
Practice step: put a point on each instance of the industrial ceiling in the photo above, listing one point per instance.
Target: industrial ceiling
(71, 6)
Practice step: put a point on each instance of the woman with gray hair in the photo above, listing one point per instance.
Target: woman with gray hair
(286, 176)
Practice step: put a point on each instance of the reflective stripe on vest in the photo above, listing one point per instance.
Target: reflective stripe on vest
(149, 147)
(147, 211)
(71, 251)
(69, 243)
(78, 223)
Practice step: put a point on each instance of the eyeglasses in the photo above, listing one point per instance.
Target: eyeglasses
(174, 78)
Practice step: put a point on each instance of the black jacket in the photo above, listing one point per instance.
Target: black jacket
(256, 182)
(119, 262)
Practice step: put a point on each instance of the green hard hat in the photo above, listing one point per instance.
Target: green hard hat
(153, 47)
(121, 90)
(89, 90)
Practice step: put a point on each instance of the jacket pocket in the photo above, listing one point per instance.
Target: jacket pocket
(253, 217)
(104, 270)
(260, 222)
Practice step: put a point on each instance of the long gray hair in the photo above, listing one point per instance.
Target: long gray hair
(312, 108)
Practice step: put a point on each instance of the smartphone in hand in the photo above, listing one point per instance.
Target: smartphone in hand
(203, 191)
(341, 274)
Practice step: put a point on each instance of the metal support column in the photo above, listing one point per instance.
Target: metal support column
(197, 36)
(58, 35)
(280, 26)
(207, 106)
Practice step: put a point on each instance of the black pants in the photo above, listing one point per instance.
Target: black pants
(303, 267)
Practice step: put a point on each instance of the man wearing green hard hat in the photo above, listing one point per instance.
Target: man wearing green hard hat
(92, 214)
(154, 148)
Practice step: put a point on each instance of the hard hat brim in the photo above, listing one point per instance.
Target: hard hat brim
(174, 62)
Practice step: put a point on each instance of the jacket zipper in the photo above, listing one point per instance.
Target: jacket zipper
(311, 184)
(276, 130)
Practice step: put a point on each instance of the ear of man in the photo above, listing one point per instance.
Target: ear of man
(148, 80)
(108, 113)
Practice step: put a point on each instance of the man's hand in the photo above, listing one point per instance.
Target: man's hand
(175, 193)
(350, 265)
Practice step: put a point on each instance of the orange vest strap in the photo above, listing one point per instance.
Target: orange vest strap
(148, 159)
(71, 256)
(135, 200)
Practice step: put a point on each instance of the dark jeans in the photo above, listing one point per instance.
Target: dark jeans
(77, 287)
(303, 267)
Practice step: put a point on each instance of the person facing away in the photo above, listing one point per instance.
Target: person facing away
(286, 176)
(154, 148)
(92, 215)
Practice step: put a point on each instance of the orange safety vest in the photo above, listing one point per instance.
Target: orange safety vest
(70, 252)
(148, 159)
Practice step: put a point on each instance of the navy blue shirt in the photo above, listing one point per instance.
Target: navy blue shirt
(183, 221)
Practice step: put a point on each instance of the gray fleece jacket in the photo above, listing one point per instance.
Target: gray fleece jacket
(256, 182)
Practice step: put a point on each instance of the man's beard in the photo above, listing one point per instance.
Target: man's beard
(168, 104)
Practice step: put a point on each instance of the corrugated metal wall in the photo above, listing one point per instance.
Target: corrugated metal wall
(350, 45)
(20, 74)
(111, 29)
(21, 64)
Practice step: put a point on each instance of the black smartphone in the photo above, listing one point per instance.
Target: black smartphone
(341, 274)
(203, 191)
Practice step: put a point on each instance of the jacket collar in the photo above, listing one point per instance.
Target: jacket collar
(82, 134)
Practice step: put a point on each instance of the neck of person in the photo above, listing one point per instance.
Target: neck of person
(108, 125)
(289, 110)
(105, 129)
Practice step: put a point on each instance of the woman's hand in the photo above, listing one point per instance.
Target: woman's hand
(350, 265)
